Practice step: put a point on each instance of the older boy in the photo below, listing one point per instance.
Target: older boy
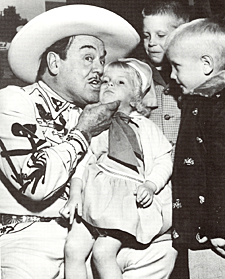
(160, 18)
(196, 53)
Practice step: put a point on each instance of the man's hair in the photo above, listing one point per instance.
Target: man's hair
(137, 101)
(207, 36)
(60, 47)
(167, 7)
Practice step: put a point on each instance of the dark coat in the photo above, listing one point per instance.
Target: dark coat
(199, 168)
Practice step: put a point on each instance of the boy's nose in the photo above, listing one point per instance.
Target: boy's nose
(110, 83)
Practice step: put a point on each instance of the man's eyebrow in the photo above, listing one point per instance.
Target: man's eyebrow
(92, 47)
(87, 46)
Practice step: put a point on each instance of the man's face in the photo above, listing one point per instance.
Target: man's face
(156, 28)
(187, 66)
(79, 75)
(117, 85)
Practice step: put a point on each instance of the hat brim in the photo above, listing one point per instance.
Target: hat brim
(119, 37)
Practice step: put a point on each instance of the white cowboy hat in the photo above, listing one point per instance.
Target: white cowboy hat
(119, 37)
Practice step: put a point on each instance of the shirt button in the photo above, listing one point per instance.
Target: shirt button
(167, 117)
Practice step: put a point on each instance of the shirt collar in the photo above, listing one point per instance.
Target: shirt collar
(55, 103)
(212, 86)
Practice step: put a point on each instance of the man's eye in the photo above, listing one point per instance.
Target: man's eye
(102, 62)
(89, 58)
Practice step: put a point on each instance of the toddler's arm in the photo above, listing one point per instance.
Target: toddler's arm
(74, 203)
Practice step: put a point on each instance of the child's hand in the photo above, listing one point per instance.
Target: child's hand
(145, 193)
(73, 205)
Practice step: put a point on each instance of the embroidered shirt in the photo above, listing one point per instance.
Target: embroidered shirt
(39, 149)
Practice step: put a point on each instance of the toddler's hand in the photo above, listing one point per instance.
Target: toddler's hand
(145, 193)
(73, 206)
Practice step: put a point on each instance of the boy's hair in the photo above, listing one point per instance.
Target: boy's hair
(207, 35)
(168, 7)
(136, 103)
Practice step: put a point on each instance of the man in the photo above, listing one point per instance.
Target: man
(44, 133)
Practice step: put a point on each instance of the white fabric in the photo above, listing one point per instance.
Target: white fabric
(55, 155)
(36, 252)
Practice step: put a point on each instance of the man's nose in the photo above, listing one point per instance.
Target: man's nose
(98, 67)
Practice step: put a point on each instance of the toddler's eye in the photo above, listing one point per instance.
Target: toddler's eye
(104, 81)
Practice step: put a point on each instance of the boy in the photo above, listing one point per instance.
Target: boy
(160, 18)
(196, 53)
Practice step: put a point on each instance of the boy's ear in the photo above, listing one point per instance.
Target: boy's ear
(208, 64)
(53, 61)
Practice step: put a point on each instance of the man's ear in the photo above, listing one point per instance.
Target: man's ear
(53, 61)
(208, 64)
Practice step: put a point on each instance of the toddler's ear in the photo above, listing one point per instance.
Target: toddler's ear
(208, 64)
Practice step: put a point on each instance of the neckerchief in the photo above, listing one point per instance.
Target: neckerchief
(123, 144)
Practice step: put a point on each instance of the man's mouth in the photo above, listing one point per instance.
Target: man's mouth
(95, 82)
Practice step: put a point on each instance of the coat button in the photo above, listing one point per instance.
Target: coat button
(167, 117)
(199, 140)
(195, 111)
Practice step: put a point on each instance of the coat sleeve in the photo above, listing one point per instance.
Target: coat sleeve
(35, 167)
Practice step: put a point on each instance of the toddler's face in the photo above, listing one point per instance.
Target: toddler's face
(117, 85)
(187, 68)
(156, 28)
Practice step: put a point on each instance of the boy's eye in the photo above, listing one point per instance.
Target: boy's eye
(161, 35)
(121, 82)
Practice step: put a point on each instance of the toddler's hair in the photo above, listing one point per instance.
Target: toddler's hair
(136, 103)
(207, 35)
(163, 7)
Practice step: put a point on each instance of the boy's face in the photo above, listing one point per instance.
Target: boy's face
(156, 29)
(187, 68)
(117, 85)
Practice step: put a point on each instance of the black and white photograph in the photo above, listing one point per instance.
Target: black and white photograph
(112, 139)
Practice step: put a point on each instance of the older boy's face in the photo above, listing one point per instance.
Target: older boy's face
(156, 29)
(187, 68)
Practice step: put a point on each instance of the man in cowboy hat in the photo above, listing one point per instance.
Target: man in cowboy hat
(44, 133)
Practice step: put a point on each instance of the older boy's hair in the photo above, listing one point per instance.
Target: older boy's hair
(170, 7)
(209, 32)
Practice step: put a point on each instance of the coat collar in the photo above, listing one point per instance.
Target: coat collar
(211, 86)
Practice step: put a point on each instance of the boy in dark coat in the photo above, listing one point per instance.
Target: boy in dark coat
(196, 52)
